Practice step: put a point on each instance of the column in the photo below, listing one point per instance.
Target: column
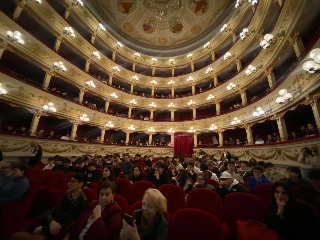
(172, 140)
(57, 43)
(103, 133)
(192, 67)
(172, 71)
(271, 79)
(150, 139)
(151, 114)
(47, 78)
(93, 37)
(18, 10)
(282, 128)
(249, 134)
(213, 55)
(113, 56)
(194, 112)
(172, 92)
(220, 138)
(152, 91)
(195, 139)
(3, 47)
(244, 97)
(172, 115)
(239, 65)
(153, 71)
(127, 138)
(106, 105)
(316, 112)
(67, 13)
(133, 67)
(215, 80)
(131, 89)
(110, 79)
(86, 67)
(81, 93)
(193, 89)
(74, 130)
(234, 37)
(129, 112)
(34, 124)
(298, 46)
(218, 108)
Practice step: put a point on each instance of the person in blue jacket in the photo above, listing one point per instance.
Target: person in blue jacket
(257, 178)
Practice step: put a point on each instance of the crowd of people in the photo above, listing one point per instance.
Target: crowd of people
(103, 216)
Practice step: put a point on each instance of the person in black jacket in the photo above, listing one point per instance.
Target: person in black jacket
(192, 175)
(36, 156)
(292, 219)
(228, 185)
(158, 177)
(93, 173)
(67, 210)
(136, 174)
(58, 164)
(226, 154)
(68, 167)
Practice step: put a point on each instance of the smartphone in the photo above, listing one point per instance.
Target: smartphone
(128, 219)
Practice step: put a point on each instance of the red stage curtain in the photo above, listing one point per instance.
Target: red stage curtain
(183, 144)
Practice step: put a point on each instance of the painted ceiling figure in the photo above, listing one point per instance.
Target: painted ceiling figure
(126, 5)
(201, 5)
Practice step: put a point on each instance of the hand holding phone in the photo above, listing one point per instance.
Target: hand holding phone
(128, 219)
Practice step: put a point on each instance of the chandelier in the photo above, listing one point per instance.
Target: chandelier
(84, 118)
(171, 131)
(210, 97)
(235, 121)
(191, 130)
(15, 37)
(151, 130)
(90, 84)
(49, 107)
(213, 127)
(109, 124)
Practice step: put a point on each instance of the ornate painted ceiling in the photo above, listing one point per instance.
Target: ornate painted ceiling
(166, 23)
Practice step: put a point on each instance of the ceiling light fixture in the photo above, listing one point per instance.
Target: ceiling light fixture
(15, 37)
(190, 103)
(213, 127)
(96, 55)
(116, 69)
(231, 86)
(209, 70)
(171, 131)
(313, 66)
(227, 55)
(113, 95)
(210, 97)
(285, 97)
(49, 108)
(101, 28)
(171, 105)
(251, 69)
(192, 130)
(59, 66)
(259, 112)
(90, 84)
(69, 31)
(235, 121)
(84, 118)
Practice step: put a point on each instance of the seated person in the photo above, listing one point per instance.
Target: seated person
(50, 164)
(97, 140)
(311, 130)
(295, 177)
(68, 167)
(23, 131)
(257, 178)
(58, 164)
(66, 137)
(229, 185)
(173, 171)
(276, 137)
(8, 129)
(14, 187)
(231, 142)
(136, 174)
(109, 176)
(200, 183)
(51, 135)
(81, 167)
(192, 175)
(6, 172)
(303, 132)
(293, 136)
(40, 133)
(101, 219)
(244, 167)
(272, 174)
(158, 177)
(126, 166)
(182, 180)
(238, 143)
(292, 219)
(259, 141)
(208, 174)
(149, 222)
(269, 139)
(311, 193)
(54, 221)
(231, 169)
(93, 173)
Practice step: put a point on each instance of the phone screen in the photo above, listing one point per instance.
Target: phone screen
(128, 219)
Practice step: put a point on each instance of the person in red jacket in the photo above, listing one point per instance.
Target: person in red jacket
(101, 219)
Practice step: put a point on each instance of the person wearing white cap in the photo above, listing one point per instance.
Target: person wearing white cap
(229, 185)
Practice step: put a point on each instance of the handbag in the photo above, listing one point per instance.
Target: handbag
(253, 230)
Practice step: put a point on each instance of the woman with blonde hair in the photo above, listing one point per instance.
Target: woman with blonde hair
(149, 222)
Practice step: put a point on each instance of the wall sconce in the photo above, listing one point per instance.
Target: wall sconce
(191, 130)
(171, 105)
(153, 82)
(15, 37)
(206, 45)
(59, 66)
(285, 97)
(171, 82)
(227, 55)
(69, 31)
(77, 2)
(251, 69)
(49, 108)
(95, 55)
(259, 112)
(109, 125)
(84, 118)
(225, 27)
(210, 97)
(190, 79)
(131, 128)
(119, 45)
(171, 131)
(190, 103)
(209, 70)
(90, 84)
(213, 127)
(154, 60)
(171, 61)
(101, 28)
(113, 95)
(245, 32)
(235, 121)
(313, 66)
(189, 56)
(2, 90)
(231, 86)
(116, 69)
(133, 102)
(136, 55)
(135, 78)
(151, 130)
(152, 105)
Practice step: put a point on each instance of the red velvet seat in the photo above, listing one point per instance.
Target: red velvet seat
(94, 186)
(145, 175)
(175, 197)
(33, 172)
(243, 206)
(52, 180)
(190, 224)
(91, 195)
(14, 213)
(264, 192)
(247, 186)
(247, 179)
(135, 206)
(283, 179)
(296, 189)
(125, 188)
(43, 175)
(40, 165)
(122, 203)
(213, 183)
(142, 164)
(138, 189)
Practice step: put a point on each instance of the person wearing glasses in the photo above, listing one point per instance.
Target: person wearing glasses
(70, 207)
(257, 178)
(200, 183)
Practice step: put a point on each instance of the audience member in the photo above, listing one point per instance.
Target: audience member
(293, 136)
(23, 131)
(257, 178)
(259, 141)
(311, 130)
(295, 178)
(244, 167)
(182, 180)
(208, 174)
(272, 174)
(68, 167)
(158, 177)
(93, 173)
(40, 133)
(66, 137)
(192, 175)
(8, 129)
(276, 137)
(81, 167)
(307, 161)
(51, 135)
(35, 156)
(303, 132)
(14, 187)
(292, 219)
(229, 185)
(109, 176)
(173, 171)
(116, 166)
(269, 139)
(73, 160)
(136, 174)
(50, 164)
(149, 222)
(200, 183)
(226, 154)
(6, 172)
(58, 164)
(126, 166)
(231, 170)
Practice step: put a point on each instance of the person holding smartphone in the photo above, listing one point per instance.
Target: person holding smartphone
(148, 223)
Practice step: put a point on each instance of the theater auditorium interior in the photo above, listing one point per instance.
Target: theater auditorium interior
(160, 119)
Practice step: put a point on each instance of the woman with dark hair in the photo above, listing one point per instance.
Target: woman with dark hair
(200, 183)
(182, 180)
(292, 219)
(295, 177)
(108, 175)
(36, 156)
(16, 186)
(116, 166)
(101, 219)
(136, 174)
(307, 161)
(100, 164)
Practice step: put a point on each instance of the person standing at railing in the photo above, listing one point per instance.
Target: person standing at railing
(308, 161)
